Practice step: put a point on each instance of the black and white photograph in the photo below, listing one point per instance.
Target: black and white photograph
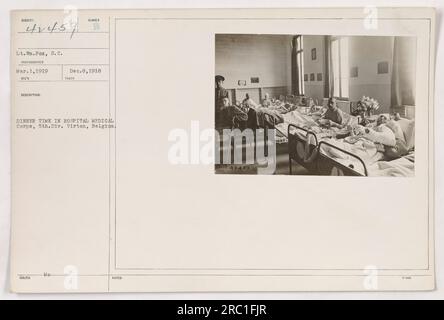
(311, 171)
(353, 116)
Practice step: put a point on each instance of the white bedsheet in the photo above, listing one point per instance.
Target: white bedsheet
(401, 167)
(364, 149)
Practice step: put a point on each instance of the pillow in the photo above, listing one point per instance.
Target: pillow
(397, 130)
(381, 134)
(408, 128)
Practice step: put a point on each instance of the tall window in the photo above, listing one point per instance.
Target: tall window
(297, 65)
(340, 67)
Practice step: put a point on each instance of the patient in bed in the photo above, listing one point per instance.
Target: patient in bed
(333, 116)
(400, 149)
(249, 103)
(386, 133)
(233, 115)
(377, 137)
(381, 133)
(266, 102)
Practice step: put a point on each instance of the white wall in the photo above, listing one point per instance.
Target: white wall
(314, 89)
(364, 53)
(240, 57)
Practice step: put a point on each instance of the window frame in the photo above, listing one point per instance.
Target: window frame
(299, 41)
(340, 97)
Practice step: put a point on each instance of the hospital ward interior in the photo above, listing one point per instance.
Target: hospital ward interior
(330, 105)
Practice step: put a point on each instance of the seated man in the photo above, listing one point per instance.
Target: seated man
(333, 116)
(248, 102)
(249, 106)
(266, 102)
(220, 95)
(223, 112)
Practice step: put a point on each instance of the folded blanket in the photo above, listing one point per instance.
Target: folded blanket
(268, 118)
(299, 119)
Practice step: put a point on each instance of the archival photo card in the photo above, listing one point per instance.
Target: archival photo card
(222, 150)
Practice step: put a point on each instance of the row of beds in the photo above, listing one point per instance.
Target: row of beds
(319, 163)
(307, 148)
(315, 151)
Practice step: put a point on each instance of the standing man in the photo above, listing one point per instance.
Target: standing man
(220, 94)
